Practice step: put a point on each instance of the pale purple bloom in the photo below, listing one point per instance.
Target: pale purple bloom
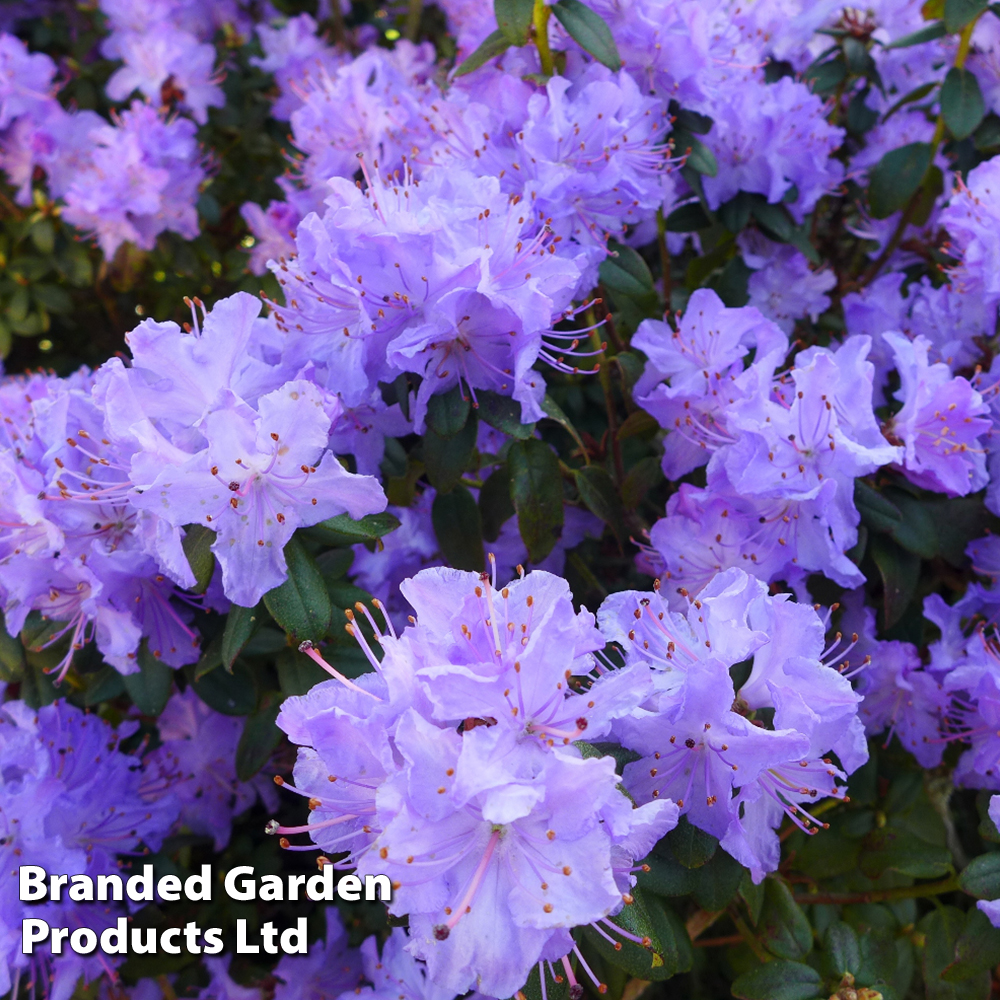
(330, 968)
(396, 974)
(26, 86)
(940, 423)
(971, 221)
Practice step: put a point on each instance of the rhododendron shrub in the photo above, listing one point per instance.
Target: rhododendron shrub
(543, 452)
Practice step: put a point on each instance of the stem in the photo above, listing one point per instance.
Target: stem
(413, 15)
(718, 942)
(540, 17)
(945, 885)
(661, 242)
(751, 939)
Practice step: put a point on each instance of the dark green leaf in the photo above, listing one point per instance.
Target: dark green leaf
(494, 45)
(876, 510)
(448, 412)
(981, 877)
(824, 77)
(843, 953)
(297, 673)
(892, 848)
(859, 61)
(925, 34)
(625, 272)
(897, 177)
(43, 235)
(688, 218)
(11, 654)
(589, 30)
(598, 492)
(343, 530)
(643, 477)
(958, 13)
(716, 882)
(446, 458)
(942, 929)
(514, 18)
(103, 685)
(987, 136)
(260, 736)
(914, 95)
(495, 504)
(301, 605)
(698, 156)
(690, 846)
(150, 686)
(779, 981)
(532, 989)
(536, 491)
(197, 545)
(753, 896)
(774, 220)
(459, 529)
(241, 623)
(900, 572)
(783, 928)
(667, 876)
(554, 412)
(229, 693)
(977, 948)
(690, 120)
(735, 213)
(504, 414)
(962, 105)
(211, 657)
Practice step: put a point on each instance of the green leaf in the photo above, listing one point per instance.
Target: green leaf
(504, 414)
(962, 105)
(229, 693)
(779, 981)
(625, 272)
(942, 930)
(241, 623)
(977, 948)
(824, 77)
(514, 18)
(753, 896)
(459, 529)
(843, 953)
(783, 928)
(197, 544)
(877, 511)
(43, 235)
(897, 177)
(260, 736)
(716, 882)
(690, 846)
(532, 989)
(495, 504)
(699, 157)
(981, 877)
(688, 218)
(900, 571)
(691, 120)
(492, 46)
(301, 605)
(446, 458)
(735, 213)
(150, 687)
(12, 661)
(297, 673)
(343, 530)
(645, 917)
(589, 30)
(892, 848)
(958, 13)
(667, 877)
(774, 220)
(644, 476)
(925, 34)
(554, 412)
(448, 412)
(103, 685)
(536, 492)
(914, 95)
(598, 492)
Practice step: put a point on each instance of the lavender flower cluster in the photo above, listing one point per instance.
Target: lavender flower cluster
(463, 251)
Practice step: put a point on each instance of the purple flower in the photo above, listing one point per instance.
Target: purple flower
(167, 59)
(769, 138)
(198, 754)
(396, 974)
(143, 179)
(256, 482)
(783, 286)
(327, 971)
(26, 86)
(992, 907)
(390, 279)
(71, 802)
(221, 986)
(695, 373)
(970, 219)
(940, 423)
(273, 229)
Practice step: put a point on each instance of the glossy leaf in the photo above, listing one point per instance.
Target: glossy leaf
(197, 544)
(598, 492)
(897, 177)
(514, 19)
(492, 46)
(260, 736)
(779, 981)
(589, 30)
(344, 530)
(962, 104)
(783, 928)
(447, 458)
(241, 623)
(151, 685)
(958, 13)
(301, 605)
(536, 492)
(459, 529)
(503, 413)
